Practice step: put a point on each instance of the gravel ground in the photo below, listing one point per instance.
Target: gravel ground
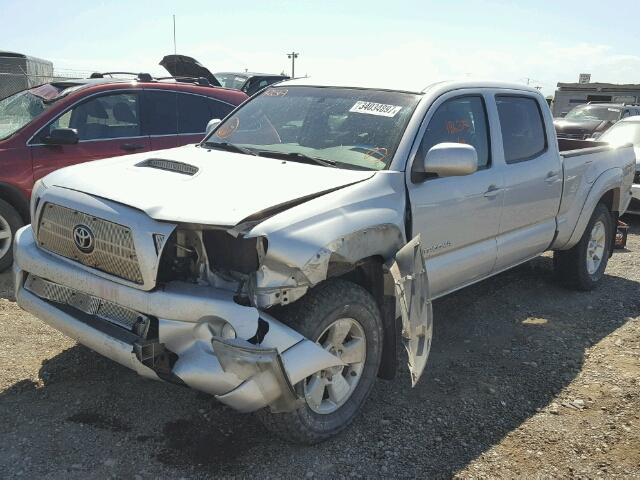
(525, 378)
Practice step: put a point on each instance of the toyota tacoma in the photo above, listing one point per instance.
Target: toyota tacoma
(277, 264)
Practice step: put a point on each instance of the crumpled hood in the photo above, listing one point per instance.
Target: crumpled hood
(227, 188)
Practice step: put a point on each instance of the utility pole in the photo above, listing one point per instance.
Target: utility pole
(293, 56)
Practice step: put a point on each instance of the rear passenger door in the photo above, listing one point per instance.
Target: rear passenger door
(108, 125)
(533, 178)
(194, 112)
(160, 118)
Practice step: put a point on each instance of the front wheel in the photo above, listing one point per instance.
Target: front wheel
(10, 222)
(583, 265)
(344, 318)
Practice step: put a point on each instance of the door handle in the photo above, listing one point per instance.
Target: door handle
(552, 176)
(131, 147)
(492, 191)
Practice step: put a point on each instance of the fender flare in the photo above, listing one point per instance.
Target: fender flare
(12, 195)
(607, 181)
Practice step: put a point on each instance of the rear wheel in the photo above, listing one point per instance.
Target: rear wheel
(10, 222)
(583, 265)
(344, 319)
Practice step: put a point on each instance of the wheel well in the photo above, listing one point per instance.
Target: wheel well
(609, 199)
(13, 197)
(369, 274)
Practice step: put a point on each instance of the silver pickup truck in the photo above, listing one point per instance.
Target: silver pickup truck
(276, 265)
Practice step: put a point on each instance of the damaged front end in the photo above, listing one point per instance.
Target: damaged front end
(184, 331)
(246, 267)
(204, 313)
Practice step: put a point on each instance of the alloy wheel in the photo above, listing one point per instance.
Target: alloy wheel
(327, 390)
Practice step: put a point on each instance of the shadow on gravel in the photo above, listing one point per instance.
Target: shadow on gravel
(503, 349)
(6, 285)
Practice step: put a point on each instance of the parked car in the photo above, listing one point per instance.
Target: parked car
(628, 131)
(62, 123)
(182, 66)
(305, 228)
(592, 119)
(247, 82)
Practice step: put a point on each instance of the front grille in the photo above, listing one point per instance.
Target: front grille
(113, 248)
(109, 311)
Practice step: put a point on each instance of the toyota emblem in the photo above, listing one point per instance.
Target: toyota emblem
(83, 238)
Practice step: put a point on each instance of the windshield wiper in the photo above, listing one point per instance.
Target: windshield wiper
(230, 147)
(298, 157)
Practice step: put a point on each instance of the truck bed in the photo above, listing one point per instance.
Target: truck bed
(583, 162)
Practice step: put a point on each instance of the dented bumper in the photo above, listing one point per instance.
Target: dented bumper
(257, 368)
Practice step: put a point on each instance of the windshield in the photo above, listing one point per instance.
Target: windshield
(622, 133)
(594, 112)
(348, 128)
(231, 80)
(19, 109)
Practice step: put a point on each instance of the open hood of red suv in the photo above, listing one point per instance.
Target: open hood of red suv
(183, 66)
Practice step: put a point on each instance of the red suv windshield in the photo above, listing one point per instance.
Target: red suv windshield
(19, 109)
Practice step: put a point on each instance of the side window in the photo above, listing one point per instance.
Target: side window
(522, 128)
(219, 109)
(62, 121)
(459, 120)
(193, 113)
(104, 117)
(160, 112)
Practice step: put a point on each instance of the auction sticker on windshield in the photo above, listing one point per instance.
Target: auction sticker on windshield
(372, 108)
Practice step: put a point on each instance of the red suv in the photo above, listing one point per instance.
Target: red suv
(62, 123)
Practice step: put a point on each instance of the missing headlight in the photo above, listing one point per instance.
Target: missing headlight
(229, 253)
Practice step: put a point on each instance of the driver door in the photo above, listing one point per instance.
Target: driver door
(457, 217)
(108, 125)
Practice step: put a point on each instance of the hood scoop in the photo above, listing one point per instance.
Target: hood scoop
(169, 165)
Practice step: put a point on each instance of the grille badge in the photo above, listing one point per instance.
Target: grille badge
(83, 238)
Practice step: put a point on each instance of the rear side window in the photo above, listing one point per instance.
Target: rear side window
(193, 113)
(161, 112)
(522, 128)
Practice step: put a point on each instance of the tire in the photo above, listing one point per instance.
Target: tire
(323, 306)
(572, 266)
(10, 222)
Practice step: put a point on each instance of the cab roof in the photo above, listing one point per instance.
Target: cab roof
(408, 88)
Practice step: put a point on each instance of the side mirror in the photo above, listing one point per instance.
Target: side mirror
(62, 136)
(213, 123)
(451, 160)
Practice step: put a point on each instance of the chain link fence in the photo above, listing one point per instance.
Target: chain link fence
(19, 73)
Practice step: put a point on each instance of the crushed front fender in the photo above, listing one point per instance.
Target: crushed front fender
(412, 295)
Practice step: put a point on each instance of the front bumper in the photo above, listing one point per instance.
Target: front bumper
(256, 369)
